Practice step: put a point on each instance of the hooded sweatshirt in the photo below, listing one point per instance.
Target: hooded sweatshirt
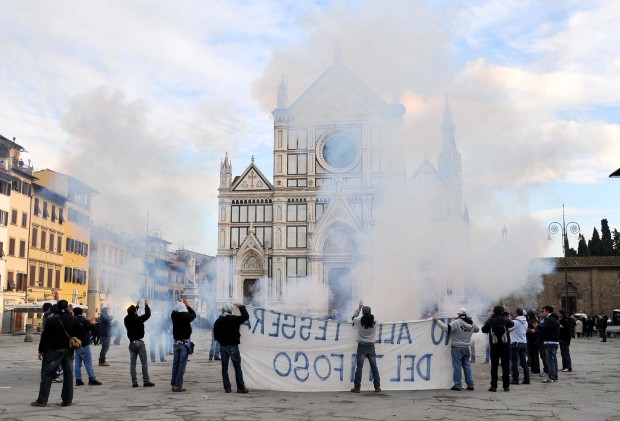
(518, 331)
(364, 334)
(460, 330)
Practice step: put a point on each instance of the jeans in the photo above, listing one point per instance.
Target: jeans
(84, 355)
(105, 346)
(366, 350)
(460, 360)
(138, 349)
(53, 358)
(533, 357)
(178, 365)
(565, 352)
(487, 353)
(552, 360)
(518, 353)
(215, 348)
(155, 341)
(500, 351)
(231, 352)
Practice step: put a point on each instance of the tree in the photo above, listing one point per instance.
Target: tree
(582, 248)
(616, 241)
(569, 251)
(594, 245)
(607, 248)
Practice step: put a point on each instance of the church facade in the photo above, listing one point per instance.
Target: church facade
(338, 152)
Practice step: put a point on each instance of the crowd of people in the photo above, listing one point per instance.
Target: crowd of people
(514, 340)
(67, 335)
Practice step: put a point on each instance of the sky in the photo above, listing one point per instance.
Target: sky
(141, 100)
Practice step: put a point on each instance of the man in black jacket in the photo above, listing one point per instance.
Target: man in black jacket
(182, 317)
(565, 337)
(497, 328)
(54, 347)
(135, 333)
(549, 328)
(226, 332)
(83, 354)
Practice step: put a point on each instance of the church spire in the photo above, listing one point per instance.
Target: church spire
(449, 157)
(225, 173)
(282, 95)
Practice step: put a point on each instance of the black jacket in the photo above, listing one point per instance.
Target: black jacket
(105, 323)
(54, 336)
(135, 324)
(550, 329)
(498, 326)
(226, 327)
(565, 331)
(84, 329)
(182, 324)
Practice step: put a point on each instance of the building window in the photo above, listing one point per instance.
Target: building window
(46, 213)
(251, 213)
(32, 274)
(33, 240)
(61, 218)
(41, 276)
(11, 246)
(1, 249)
(21, 282)
(68, 275)
(43, 239)
(297, 139)
(59, 244)
(5, 188)
(237, 236)
(296, 237)
(54, 217)
(70, 244)
(296, 212)
(296, 267)
(13, 216)
(51, 249)
(297, 164)
(24, 219)
(264, 235)
(10, 280)
(319, 209)
(50, 279)
(37, 207)
(22, 248)
(4, 218)
(57, 278)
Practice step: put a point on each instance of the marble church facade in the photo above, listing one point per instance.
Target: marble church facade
(337, 151)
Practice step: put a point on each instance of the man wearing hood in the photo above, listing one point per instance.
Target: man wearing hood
(226, 332)
(365, 347)
(182, 317)
(518, 348)
(549, 328)
(461, 331)
(497, 328)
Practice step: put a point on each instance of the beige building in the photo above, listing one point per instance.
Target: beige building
(76, 225)
(337, 152)
(15, 244)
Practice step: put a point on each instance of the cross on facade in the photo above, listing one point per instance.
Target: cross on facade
(252, 176)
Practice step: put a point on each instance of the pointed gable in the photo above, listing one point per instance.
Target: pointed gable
(252, 179)
(426, 175)
(339, 95)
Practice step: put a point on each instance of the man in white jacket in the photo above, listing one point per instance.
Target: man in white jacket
(460, 331)
(518, 348)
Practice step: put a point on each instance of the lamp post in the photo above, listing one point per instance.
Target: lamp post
(554, 228)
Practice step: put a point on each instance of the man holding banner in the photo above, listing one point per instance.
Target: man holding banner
(461, 331)
(226, 332)
(365, 347)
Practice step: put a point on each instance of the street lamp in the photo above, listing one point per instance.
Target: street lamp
(554, 228)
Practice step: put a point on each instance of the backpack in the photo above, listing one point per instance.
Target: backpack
(499, 335)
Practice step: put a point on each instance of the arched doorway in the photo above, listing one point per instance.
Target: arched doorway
(340, 253)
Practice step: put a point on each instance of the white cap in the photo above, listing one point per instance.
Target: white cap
(463, 311)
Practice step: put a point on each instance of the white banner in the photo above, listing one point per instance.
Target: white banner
(301, 354)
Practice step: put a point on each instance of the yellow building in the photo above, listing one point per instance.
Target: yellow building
(16, 219)
(76, 226)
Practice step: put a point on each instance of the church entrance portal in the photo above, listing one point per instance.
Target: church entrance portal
(249, 288)
(340, 291)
